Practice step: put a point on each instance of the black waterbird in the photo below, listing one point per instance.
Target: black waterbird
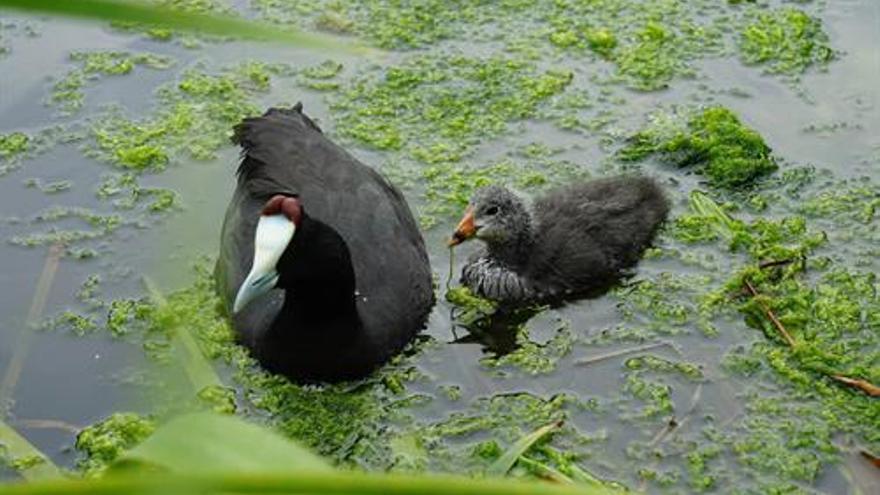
(573, 240)
(322, 266)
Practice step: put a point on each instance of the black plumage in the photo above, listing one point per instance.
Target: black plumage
(354, 283)
(570, 241)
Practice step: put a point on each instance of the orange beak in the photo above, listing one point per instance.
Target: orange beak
(465, 229)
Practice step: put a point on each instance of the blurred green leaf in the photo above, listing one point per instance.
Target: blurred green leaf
(209, 443)
(132, 11)
(23, 457)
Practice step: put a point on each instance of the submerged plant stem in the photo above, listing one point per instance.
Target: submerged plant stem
(871, 458)
(624, 352)
(770, 314)
(863, 385)
(38, 304)
(49, 424)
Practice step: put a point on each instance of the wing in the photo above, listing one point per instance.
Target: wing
(598, 228)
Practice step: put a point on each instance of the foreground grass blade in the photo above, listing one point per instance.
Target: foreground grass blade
(131, 11)
(312, 483)
(506, 461)
(198, 369)
(210, 443)
(17, 449)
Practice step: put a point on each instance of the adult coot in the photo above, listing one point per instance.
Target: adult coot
(321, 264)
(572, 240)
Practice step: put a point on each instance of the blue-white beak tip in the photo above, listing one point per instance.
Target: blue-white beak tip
(273, 235)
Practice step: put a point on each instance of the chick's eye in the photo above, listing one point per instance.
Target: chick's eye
(492, 210)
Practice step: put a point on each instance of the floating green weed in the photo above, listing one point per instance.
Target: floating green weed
(68, 91)
(786, 41)
(727, 152)
(100, 225)
(321, 77)
(656, 395)
(13, 144)
(125, 193)
(103, 442)
(77, 323)
(472, 307)
(437, 109)
(194, 118)
(654, 363)
(532, 357)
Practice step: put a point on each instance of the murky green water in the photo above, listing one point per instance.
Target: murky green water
(617, 415)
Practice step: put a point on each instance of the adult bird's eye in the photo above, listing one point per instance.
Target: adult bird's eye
(491, 210)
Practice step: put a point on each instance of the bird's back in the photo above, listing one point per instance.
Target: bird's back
(285, 152)
(590, 231)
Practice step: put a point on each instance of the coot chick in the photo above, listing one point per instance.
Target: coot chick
(322, 266)
(572, 240)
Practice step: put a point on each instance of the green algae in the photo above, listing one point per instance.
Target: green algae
(657, 364)
(726, 152)
(776, 441)
(785, 41)
(701, 478)
(472, 307)
(832, 317)
(665, 304)
(125, 193)
(101, 225)
(77, 323)
(26, 462)
(532, 357)
(651, 43)
(447, 188)
(193, 119)
(103, 442)
(651, 62)
(218, 398)
(437, 109)
(321, 77)
(13, 144)
(67, 92)
(784, 441)
(656, 395)
(122, 312)
(13, 147)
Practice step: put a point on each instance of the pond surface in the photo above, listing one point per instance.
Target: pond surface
(681, 419)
